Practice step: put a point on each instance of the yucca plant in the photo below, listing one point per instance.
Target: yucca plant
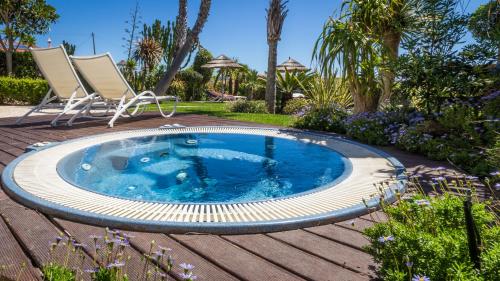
(149, 53)
(325, 92)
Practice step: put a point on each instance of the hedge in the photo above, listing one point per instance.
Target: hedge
(22, 90)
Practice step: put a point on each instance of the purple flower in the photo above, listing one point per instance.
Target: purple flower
(187, 276)
(495, 173)
(186, 266)
(409, 264)
(497, 186)
(91, 270)
(440, 179)
(420, 278)
(471, 177)
(116, 264)
(384, 239)
(58, 239)
(422, 202)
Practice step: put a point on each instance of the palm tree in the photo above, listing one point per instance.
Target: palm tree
(276, 14)
(362, 40)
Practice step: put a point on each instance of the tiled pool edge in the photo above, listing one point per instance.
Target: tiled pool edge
(57, 210)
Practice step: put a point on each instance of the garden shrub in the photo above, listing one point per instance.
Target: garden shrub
(22, 63)
(244, 106)
(368, 127)
(177, 88)
(322, 119)
(427, 237)
(294, 106)
(193, 83)
(22, 90)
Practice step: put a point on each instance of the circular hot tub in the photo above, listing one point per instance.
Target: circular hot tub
(204, 179)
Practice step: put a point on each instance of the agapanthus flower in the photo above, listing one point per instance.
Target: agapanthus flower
(495, 173)
(187, 276)
(116, 264)
(91, 270)
(384, 239)
(497, 186)
(422, 202)
(420, 278)
(186, 266)
(409, 264)
(471, 177)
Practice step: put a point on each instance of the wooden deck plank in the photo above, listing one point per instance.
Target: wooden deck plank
(14, 264)
(335, 252)
(357, 224)
(204, 269)
(303, 264)
(36, 233)
(135, 264)
(339, 234)
(234, 259)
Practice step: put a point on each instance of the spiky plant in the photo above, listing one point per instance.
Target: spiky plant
(276, 14)
(149, 53)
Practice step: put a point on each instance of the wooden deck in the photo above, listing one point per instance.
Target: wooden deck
(328, 252)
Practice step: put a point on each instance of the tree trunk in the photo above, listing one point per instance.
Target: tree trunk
(8, 57)
(191, 38)
(365, 102)
(391, 43)
(271, 78)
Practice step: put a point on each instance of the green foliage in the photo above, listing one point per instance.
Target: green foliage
(56, 272)
(287, 84)
(244, 106)
(24, 19)
(163, 36)
(202, 57)
(328, 119)
(427, 236)
(23, 63)
(253, 85)
(325, 92)
(193, 83)
(70, 48)
(294, 106)
(493, 154)
(22, 90)
(484, 24)
(177, 88)
(105, 274)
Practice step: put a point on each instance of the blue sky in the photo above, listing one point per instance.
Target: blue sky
(236, 28)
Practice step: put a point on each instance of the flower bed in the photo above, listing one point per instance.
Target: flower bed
(426, 238)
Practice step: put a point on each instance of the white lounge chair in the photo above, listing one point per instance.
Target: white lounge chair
(65, 86)
(105, 78)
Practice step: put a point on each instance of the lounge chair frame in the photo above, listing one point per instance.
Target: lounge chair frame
(68, 104)
(124, 103)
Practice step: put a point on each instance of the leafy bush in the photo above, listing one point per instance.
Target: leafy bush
(23, 65)
(294, 106)
(244, 106)
(193, 82)
(22, 90)
(427, 236)
(368, 127)
(324, 119)
(177, 88)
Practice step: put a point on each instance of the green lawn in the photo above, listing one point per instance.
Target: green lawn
(219, 110)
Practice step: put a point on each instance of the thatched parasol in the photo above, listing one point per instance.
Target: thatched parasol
(291, 65)
(222, 62)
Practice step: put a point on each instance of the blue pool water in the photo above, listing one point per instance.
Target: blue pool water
(202, 168)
